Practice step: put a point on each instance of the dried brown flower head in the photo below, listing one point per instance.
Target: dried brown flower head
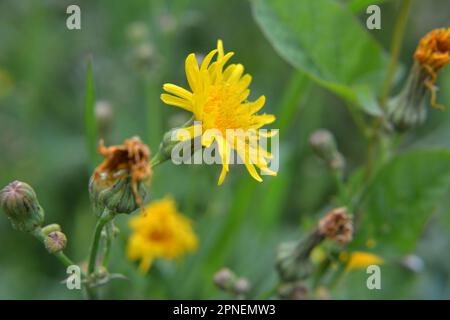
(337, 225)
(132, 158)
(433, 53)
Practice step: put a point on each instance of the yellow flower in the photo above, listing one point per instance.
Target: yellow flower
(160, 231)
(218, 100)
(359, 260)
(433, 53)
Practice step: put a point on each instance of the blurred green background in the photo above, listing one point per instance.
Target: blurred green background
(136, 46)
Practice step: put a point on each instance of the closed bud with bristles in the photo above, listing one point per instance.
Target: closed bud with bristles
(19, 202)
(55, 242)
(337, 225)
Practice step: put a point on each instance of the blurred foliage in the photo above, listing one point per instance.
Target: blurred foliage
(138, 46)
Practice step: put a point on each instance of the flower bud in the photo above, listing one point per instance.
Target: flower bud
(324, 146)
(408, 110)
(103, 115)
(241, 286)
(51, 228)
(118, 197)
(19, 202)
(55, 242)
(224, 279)
(292, 262)
(137, 32)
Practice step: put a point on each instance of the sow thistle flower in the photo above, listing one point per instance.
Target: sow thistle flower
(408, 109)
(218, 100)
(119, 182)
(160, 231)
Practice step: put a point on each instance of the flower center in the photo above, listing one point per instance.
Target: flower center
(221, 109)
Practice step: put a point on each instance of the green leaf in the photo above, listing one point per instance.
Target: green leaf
(323, 39)
(357, 6)
(402, 198)
(90, 122)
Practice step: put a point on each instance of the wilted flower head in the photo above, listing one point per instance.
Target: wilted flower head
(119, 181)
(407, 109)
(337, 225)
(160, 231)
(218, 99)
(433, 53)
(19, 202)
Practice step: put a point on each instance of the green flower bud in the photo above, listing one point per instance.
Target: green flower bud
(51, 228)
(292, 260)
(324, 146)
(55, 241)
(116, 195)
(19, 202)
(224, 279)
(408, 110)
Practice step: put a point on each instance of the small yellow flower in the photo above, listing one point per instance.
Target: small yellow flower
(433, 53)
(218, 99)
(160, 231)
(359, 260)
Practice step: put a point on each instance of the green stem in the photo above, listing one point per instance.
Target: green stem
(105, 218)
(38, 234)
(156, 160)
(396, 43)
(341, 189)
(108, 243)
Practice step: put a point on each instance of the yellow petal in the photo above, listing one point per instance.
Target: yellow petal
(207, 60)
(236, 74)
(176, 101)
(178, 91)
(255, 106)
(224, 151)
(219, 49)
(243, 154)
(192, 72)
